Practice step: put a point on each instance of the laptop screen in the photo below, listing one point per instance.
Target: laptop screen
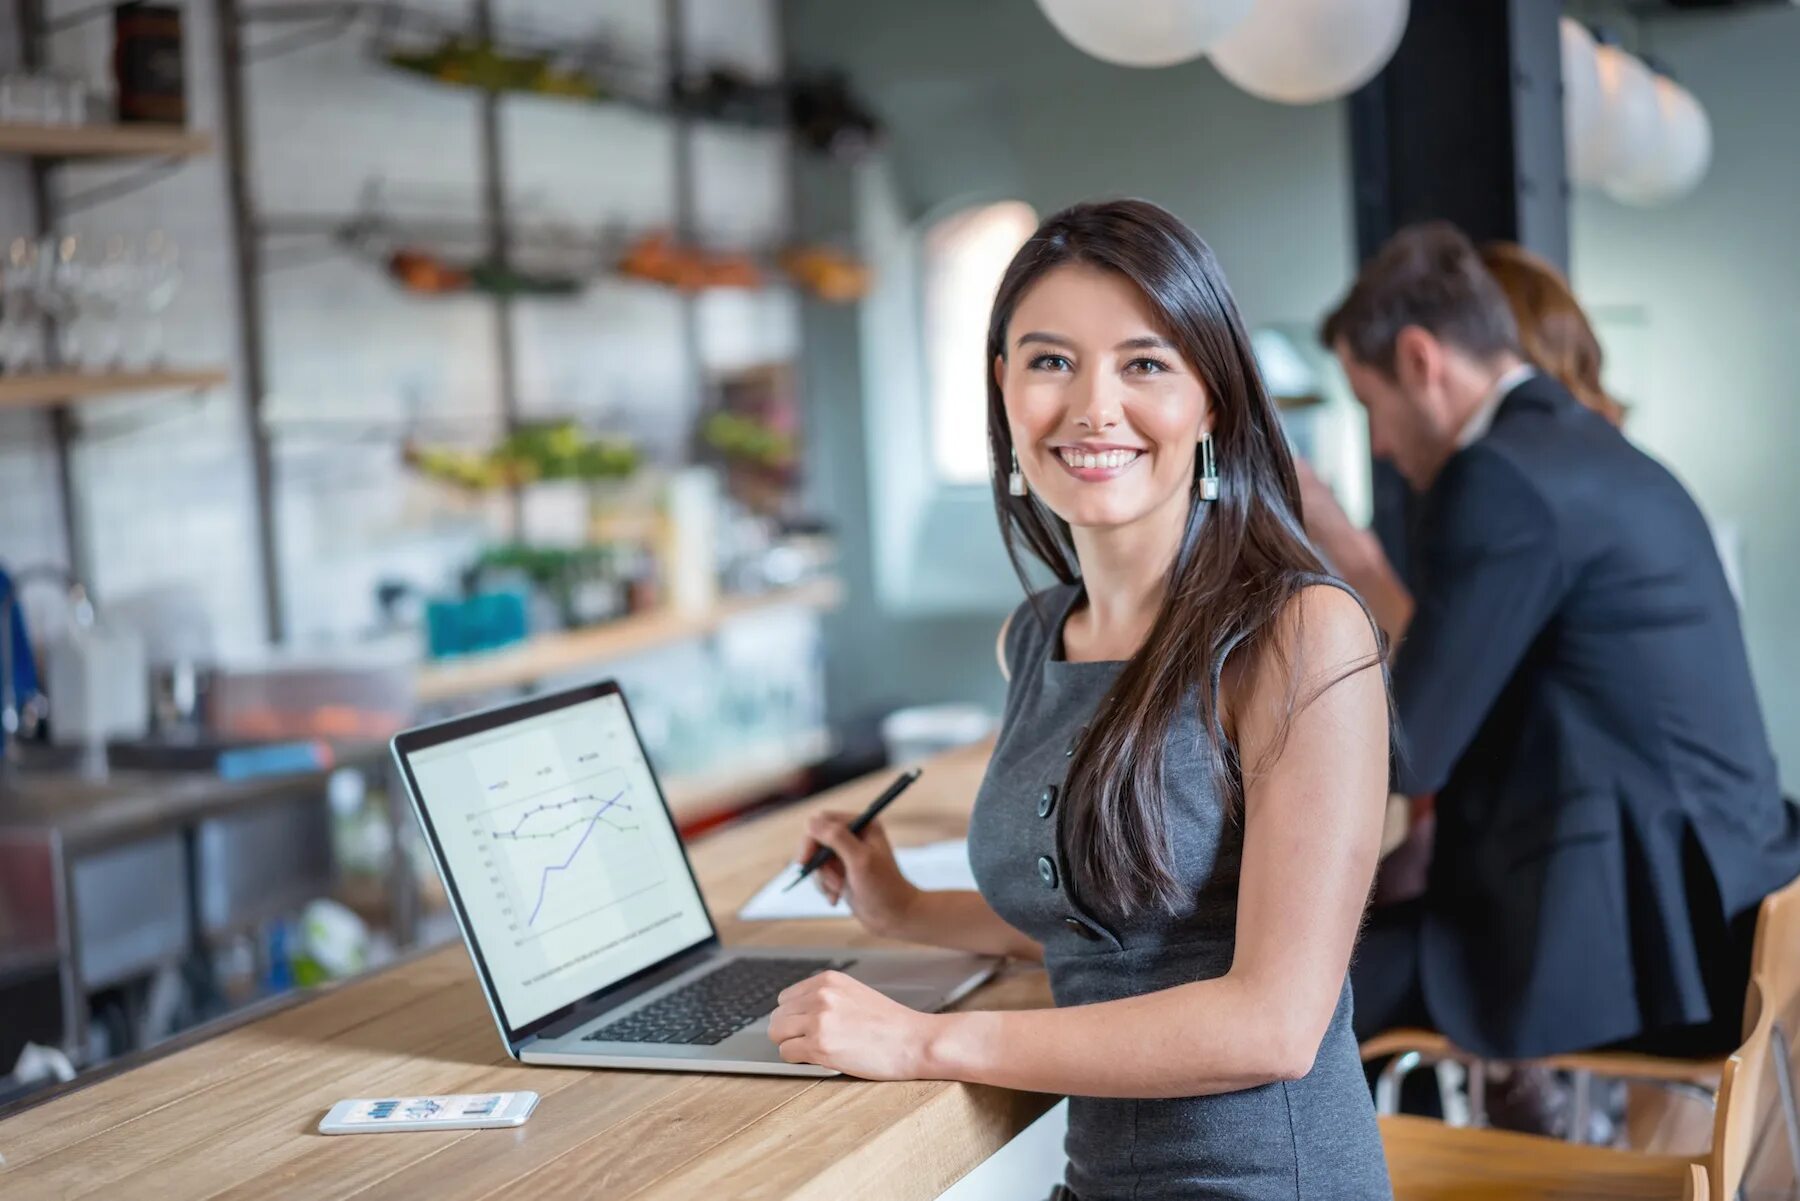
(569, 868)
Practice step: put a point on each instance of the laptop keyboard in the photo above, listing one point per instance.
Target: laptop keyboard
(711, 1008)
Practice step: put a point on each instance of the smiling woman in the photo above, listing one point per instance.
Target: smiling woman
(1115, 329)
(1068, 390)
(1182, 811)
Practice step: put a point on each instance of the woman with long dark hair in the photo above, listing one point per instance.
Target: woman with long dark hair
(1183, 811)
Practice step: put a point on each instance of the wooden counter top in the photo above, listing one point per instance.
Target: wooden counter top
(237, 1116)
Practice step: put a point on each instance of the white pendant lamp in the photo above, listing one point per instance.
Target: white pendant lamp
(1144, 33)
(1305, 51)
(1683, 151)
(1584, 123)
(1631, 124)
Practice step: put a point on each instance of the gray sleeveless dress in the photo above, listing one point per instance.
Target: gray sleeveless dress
(1312, 1138)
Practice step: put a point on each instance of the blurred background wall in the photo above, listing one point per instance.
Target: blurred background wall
(1698, 304)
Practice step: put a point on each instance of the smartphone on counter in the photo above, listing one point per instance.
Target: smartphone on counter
(462, 1111)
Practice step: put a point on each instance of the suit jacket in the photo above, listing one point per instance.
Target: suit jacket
(1574, 687)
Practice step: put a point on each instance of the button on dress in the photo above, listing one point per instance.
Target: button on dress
(1302, 1140)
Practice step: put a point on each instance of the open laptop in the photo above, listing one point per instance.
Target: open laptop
(580, 908)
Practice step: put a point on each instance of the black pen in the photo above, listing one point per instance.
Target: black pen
(822, 856)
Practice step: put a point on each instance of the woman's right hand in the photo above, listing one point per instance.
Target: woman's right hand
(863, 871)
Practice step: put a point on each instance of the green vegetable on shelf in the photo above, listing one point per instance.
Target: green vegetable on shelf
(739, 437)
(558, 451)
(471, 62)
(545, 565)
(498, 279)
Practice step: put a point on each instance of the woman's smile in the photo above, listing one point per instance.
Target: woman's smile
(1096, 463)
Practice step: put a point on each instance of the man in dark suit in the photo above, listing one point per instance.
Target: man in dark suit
(1570, 682)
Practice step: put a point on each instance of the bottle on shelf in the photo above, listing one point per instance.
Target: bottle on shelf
(148, 68)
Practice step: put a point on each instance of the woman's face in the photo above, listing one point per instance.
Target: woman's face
(1105, 414)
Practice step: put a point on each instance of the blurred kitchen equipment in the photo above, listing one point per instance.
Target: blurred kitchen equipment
(178, 648)
(181, 700)
(351, 699)
(481, 621)
(95, 677)
(802, 549)
(692, 556)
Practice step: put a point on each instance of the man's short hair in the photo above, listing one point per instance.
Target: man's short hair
(1430, 276)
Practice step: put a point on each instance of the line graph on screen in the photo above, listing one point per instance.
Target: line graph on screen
(567, 853)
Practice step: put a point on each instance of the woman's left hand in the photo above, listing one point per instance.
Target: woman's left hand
(839, 1022)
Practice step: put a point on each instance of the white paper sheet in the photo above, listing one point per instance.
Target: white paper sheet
(935, 866)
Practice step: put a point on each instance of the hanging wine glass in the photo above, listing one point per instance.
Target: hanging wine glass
(159, 283)
(22, 98)
(107, 286)
(21, 349)
(65, 280)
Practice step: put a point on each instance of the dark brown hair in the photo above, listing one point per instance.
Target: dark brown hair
(1240, 560)
(1553, 331)
(1429, 276)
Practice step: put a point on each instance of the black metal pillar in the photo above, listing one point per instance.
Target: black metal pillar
(499, 250)
(234, 117)
(1465, 124)
(686, 201)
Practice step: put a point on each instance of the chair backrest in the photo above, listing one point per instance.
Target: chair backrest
(1775, 955)
(1429, 1161)
(1756, 1142)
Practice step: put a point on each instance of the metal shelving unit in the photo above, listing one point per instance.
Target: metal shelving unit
(46, 147)
(51, 389)
(249, 222)
(102, 141)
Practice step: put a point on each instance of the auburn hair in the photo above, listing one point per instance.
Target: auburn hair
(1553, 331)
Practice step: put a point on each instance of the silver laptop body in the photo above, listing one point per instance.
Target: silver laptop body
(579, 906)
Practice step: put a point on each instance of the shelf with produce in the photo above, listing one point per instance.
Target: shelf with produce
(439, 249)
(819, 110)
(103, 141)
(49, 389)
(566, 651)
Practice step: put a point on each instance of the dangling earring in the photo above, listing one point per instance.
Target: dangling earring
(1015, 482)
(1209, 470)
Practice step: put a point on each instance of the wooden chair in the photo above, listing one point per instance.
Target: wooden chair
(1429, 1161)
(1756, 1127)
(1697, 1078)
(1408, 1050)
(1755, 1152)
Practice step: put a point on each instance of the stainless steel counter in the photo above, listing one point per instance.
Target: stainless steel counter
(105, 880)
(92, 814)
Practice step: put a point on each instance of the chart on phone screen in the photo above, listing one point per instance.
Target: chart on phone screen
(566, 861)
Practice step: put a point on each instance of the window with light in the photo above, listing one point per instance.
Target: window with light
(965, 255)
